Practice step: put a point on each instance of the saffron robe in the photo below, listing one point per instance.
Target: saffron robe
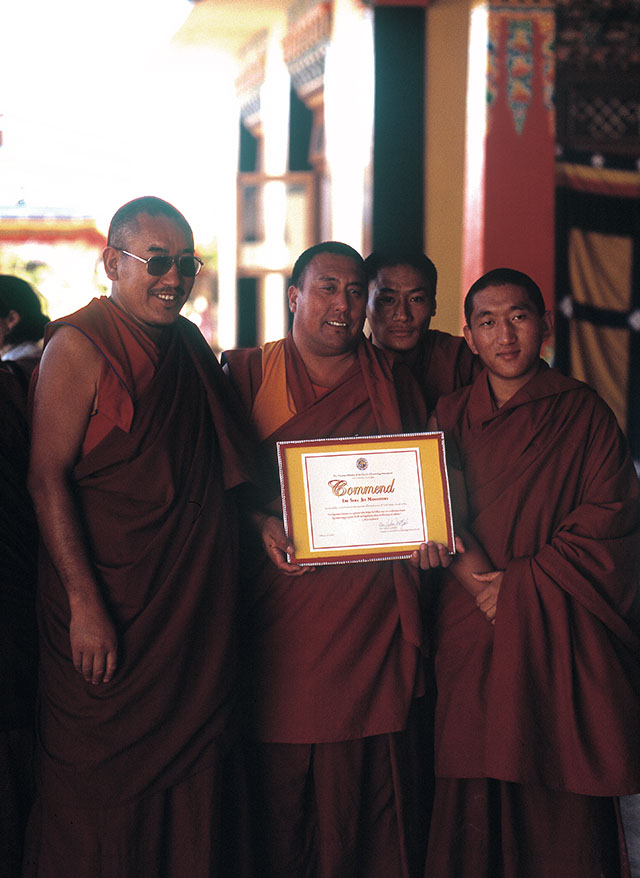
(336, 654)
(549, 696)
(155, 498)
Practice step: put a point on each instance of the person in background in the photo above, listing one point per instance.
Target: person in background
(136, 452)
(401, 304)
(22, 326)
(18, 633)
(537, 626)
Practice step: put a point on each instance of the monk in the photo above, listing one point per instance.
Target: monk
(136, 451)
(537, 639)
(401, 304)
(334, 656)
(18, 635)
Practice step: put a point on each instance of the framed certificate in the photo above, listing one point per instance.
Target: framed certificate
(364, 498)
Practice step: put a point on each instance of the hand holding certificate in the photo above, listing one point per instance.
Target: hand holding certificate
(364, 498)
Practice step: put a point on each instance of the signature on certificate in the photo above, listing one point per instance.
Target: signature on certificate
(392, 524)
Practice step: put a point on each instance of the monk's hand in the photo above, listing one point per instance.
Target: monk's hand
(487, 599)
(431, 555)
(94, 644)
(277, 545)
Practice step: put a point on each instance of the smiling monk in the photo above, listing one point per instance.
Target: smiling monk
(334, 657)
(538, 646)
(135, 451)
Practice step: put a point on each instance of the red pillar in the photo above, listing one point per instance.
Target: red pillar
(516, 226)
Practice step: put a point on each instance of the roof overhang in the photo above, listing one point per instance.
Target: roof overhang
(228, 26)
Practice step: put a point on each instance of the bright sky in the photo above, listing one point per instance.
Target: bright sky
(98, 108)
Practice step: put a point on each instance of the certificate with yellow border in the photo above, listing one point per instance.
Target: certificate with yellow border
(364, 498)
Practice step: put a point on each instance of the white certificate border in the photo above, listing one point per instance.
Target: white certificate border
(388, 544)
(330, 440)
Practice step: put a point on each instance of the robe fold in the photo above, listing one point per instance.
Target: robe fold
(335, 654)
(161, 527)
(441, 363)
(537, 716)
(550, 695)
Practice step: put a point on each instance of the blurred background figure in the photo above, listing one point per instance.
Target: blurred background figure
(18, 641)
(22, 324)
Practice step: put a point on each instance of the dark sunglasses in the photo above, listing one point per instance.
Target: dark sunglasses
(157, 266)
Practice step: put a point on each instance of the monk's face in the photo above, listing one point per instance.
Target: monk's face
(506, 332)
(328, 308)
(153, 302)
(400, 307)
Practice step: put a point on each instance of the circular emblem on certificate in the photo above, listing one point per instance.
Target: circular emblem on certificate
(362, 463)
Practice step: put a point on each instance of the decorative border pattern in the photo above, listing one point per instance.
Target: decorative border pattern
(594, 34)
(305, 46)
(518, 59)
(251, 78)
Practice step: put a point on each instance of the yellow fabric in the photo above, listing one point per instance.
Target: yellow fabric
(600, 269)
(603, 181)
(600, 356)
(273, 405)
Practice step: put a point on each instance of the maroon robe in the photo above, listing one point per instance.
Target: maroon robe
(549, 697)
(440, 363)
(355, 629)
(333, 656)
(160, 522)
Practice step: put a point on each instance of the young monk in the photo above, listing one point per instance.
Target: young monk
(537, 646)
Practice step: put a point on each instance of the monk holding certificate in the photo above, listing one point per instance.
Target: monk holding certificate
(335, 657)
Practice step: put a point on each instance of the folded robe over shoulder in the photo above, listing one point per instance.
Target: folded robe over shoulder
(550, 695)
(162, 532)
(442, 364)
(334, 654)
